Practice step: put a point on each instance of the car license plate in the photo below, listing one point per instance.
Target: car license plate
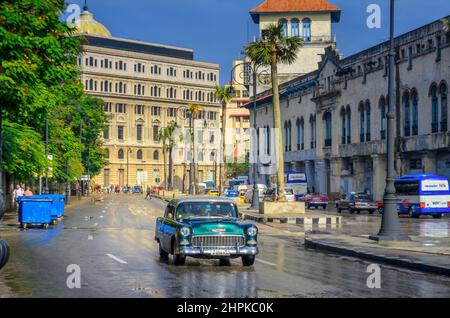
(220, 253)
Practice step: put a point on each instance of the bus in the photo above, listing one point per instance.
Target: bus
(294, 180)
(423, 194)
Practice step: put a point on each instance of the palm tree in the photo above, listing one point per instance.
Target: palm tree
(193, 110)
(222, 94)
(272, 49)
(163, 136)
(170, 130)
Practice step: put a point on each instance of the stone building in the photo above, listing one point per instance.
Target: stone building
(334, 123)
(145, 86)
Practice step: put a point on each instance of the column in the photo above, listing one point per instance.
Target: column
(358, 174)
(320, 176)
(379, 176)
(429, 162)
(335, 177)
(309, 170)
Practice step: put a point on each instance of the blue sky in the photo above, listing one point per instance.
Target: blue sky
(217, 30)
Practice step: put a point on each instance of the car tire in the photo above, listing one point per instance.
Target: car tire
(371, 212)
(162, 253)
(248, 260)
(339, 210)
(4, 253)
(179, 260)
(380, 210)
(308, 207)
(351, 211)
(224, 262)
(437, 215)
(324, 207)
(412, 214)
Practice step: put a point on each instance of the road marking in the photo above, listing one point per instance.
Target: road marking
(90, 237)
(121, 261)
(265, 262)
(101, 216)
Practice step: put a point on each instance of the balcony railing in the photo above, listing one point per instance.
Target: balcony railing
(319, 39)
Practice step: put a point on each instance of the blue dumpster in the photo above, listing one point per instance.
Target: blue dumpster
(35, 210)
(58, 208)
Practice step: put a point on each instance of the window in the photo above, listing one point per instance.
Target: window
(171, 112)
(328, 132)
(306, 30)
(120, 154)
(120, 108)
(107, 153)
(407, 115)
(107, 107)
(434, 109)
(349, 125)
(295, 27)
(156, 111)
(171, 71)
(156, 155)
(139, 109)
(155, 133)
(415, 164)
(343, 127)
(156, 176)
(120, 132)
(106, 132)
(383, 118)
(443, 94)
(139, 132)
(139, 68)
(415, 113)
(155, 91)
(212, 115)
(368, 121)
(284, 25)
(361, 122)
(106, 177)
(300, 134)
(139, 154)
(312, 125)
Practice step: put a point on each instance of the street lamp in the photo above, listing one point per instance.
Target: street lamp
(128, 152)
(250, 76)
(390, 225)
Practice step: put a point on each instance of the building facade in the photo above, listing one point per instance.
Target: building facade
(334, 118)
(310, 20)
(145, 87)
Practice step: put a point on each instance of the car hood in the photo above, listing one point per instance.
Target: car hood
(215, 227)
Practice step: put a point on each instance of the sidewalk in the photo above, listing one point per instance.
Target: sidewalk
(420, 253)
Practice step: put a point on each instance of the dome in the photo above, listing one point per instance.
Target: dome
(87, 25)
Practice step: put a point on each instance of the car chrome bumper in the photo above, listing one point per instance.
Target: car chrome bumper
(218, 251)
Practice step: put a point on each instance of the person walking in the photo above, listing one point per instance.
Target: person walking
(17, 193)
(28, 192)
(148, 193)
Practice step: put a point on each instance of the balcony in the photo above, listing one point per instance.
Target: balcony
(363, 149)
(302, 155)
(433, 141)
(319, 39)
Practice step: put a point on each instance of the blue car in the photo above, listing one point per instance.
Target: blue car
(232, 193)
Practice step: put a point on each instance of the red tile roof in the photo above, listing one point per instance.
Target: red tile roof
(295, 6)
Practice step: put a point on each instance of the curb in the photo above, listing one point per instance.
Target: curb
(361, 254)
(298, 220)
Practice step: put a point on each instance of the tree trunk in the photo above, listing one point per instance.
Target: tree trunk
(164, 165)
(170, 169)
(222, 158)
(277, 126)
(183, 184)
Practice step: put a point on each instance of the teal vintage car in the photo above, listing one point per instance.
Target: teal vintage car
(205, 227)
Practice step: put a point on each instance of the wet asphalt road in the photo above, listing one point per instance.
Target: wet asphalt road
(112, 242)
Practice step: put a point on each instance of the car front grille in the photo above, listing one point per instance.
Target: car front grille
(218, 240)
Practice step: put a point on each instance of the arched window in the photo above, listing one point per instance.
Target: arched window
(288, 136)
(383, 117)
(343, 126)
(415, 113)
(328, 131)
(407, 115)
(443, 94)
(361, 122)
(306, 30)
(295, 27)
(349, 125)
(284, 26)
(434, 109)
(139, 154)
(312, 125)
(368, 121)
(156, 155)
(300, 134)
(120, 154)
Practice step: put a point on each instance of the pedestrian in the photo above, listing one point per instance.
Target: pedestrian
(148, 193)
(17, 193)
(28, 192)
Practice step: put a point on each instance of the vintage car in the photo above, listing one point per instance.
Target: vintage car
(231, 193)
(212, 192)
(315, 201)
(205, 227)
(356, 202)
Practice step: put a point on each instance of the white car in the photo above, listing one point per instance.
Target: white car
(289, 194)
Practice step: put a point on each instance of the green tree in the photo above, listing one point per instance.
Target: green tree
(167, 137)
(222, 94)
(272, 49)
(238, 168)
(193, 111)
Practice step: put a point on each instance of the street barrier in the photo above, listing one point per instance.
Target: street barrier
(4, 253)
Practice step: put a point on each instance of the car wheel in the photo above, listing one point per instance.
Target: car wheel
(339, 210)
(4, 253)
(351, 211)
(179, 260)
(224, 262)
(248, 260)
(308, 206)
(412, 214)
(324, 207)
(371, 211)
(437, 215)
(380, 210)
(162, 253)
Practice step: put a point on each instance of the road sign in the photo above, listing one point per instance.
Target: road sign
(85, 178)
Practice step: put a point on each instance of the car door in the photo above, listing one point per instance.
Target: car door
(169, 226)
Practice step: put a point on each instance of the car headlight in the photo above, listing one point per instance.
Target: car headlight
(252, 231)
(185, 231)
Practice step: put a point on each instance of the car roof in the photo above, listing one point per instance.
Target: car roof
(200, 199)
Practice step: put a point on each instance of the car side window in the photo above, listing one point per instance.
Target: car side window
(169, 212)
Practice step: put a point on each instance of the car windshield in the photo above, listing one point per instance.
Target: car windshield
(361, 198)
(197, 210)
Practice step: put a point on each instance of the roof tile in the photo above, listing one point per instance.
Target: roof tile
(294, 6)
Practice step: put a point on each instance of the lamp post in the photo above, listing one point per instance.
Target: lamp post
(46, 189)
(249, 76)
(192, 161)
(128, 152)
(390, 225)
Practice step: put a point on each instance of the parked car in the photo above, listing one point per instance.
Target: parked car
(356, 202)
(4, 253)
(212, 192)
(232, 193)
(316, 201)
(205, 227)
(136, 189)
